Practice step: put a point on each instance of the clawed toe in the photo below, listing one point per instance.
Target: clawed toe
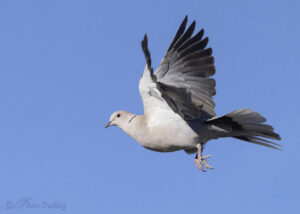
(204, 163)
(205, 157)
(198, 165)
(200, 162)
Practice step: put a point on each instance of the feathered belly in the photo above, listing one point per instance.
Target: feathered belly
(170, 137)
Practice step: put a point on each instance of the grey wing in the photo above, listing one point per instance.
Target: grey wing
(183, 74)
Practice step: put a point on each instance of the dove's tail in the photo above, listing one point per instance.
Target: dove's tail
(247, 125)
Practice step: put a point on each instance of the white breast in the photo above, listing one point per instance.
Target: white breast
(167, 131)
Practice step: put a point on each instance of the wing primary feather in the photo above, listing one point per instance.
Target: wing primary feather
(200, 71)
(198, 54)
(179, 32)
(195, 47)
(146, 52)
(193, 40)
(187, 35)
(209, 60)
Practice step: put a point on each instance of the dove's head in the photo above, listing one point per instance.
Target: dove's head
(120, 118)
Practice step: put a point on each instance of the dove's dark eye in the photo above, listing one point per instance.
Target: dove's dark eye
(118, 115)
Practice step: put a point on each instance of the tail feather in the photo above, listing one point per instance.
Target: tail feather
(247, 125)
(247, 115)
(258, 141)
(261, 130)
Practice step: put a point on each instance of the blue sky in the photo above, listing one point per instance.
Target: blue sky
(67, 65)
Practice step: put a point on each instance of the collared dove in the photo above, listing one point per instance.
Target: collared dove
(178, 105)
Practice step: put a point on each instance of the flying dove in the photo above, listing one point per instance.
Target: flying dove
(178, 105)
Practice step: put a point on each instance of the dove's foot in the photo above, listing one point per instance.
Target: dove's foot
(201, 161)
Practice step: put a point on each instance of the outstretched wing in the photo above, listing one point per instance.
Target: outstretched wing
(181, 79)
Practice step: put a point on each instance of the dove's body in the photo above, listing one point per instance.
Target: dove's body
(167, 135)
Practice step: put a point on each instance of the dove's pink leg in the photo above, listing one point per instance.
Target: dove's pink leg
(199, 159)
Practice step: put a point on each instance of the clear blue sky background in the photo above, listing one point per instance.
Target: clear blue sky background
(65, 66)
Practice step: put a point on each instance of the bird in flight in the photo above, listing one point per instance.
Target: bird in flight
(179, 107)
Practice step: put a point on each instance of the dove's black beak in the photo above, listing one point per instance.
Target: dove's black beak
(107, 124)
